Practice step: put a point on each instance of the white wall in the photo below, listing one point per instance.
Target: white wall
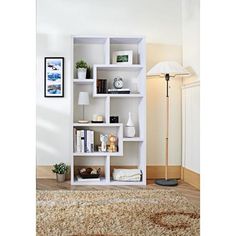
(191, 38)
(159, 20)
(191, 92)
(191, 127)
(156, 108)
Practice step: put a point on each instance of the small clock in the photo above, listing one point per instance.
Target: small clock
(118, 83)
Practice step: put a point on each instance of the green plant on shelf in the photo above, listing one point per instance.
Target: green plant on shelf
(60, 168)
(81, 64)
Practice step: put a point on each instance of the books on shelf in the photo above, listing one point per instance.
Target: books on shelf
(101, 86)
(84, 141)
(119, 91)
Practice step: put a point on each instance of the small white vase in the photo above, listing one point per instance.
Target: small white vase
(130, 122)
(129, 131)
(129, 128)
(82, 73)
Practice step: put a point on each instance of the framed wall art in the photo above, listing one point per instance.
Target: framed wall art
(122, 57)
(54, 77)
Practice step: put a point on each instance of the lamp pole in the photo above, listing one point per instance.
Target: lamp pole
(167, 78)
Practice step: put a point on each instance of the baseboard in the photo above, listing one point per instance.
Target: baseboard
(190, 177)
(156, 172)
(153, 172)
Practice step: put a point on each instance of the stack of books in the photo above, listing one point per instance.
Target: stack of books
(83, 141)
(119, 91)
(101, 86)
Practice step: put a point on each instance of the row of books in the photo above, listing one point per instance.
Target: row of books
(101, 86)
(83, 141)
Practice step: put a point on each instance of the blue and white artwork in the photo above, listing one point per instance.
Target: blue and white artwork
(54, 77)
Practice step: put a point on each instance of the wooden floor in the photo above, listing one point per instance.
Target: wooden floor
(191, 193)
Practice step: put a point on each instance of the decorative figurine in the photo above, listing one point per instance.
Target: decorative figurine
(103, 139)
(112, 147)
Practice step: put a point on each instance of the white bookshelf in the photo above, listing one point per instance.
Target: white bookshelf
(97, 52)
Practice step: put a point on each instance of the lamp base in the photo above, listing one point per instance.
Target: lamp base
(83, 121)
(166, 182)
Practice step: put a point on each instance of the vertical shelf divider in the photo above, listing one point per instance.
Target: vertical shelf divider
(107, 169)
(107, 110)
(107, 51)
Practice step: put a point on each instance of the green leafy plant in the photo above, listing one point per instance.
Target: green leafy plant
(81, 64)
(60, 168)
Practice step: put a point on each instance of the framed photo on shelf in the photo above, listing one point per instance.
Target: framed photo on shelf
(54, 77)
(122, 57)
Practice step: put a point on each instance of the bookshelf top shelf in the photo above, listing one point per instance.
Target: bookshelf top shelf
(102, 39)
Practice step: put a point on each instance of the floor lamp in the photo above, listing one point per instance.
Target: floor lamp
(168, 70)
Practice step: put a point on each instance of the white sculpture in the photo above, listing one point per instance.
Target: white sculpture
(103, 139)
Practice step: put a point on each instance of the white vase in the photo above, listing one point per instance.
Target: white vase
(82, 73)
(130, 122)
(129, 128)
(129, 131)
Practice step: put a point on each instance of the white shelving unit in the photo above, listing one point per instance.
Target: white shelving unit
(97, 52)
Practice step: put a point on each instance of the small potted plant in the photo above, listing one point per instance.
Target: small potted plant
(81, 67)
(60, 169)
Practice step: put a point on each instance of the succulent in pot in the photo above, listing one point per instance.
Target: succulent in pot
(81, 67)
(60, 169)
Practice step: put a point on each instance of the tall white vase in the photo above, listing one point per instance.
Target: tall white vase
(130, 122)
(129, 128)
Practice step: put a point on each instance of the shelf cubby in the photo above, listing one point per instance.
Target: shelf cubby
(115, 129)
(128, 43)
(90, 161)
(120, 108)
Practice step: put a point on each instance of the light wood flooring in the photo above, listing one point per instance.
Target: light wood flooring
(191, 193)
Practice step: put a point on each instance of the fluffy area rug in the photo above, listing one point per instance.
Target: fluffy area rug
(116, 213)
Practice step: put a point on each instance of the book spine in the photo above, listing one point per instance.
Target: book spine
(82, 140)
(74, 140)
(89, 140)
(86, 141)
(78, 141)
(92, 140)
(98, 86)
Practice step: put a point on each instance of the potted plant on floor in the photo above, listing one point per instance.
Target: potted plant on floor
(60, 169)
(81, 67)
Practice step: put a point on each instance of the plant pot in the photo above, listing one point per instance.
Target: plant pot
(82, 73)
(61, 177)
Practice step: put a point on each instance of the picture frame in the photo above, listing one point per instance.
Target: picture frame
(53, 77)
(122, 57)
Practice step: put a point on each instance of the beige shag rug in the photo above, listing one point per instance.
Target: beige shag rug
(116, 213)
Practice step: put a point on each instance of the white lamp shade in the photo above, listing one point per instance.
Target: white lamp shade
(168, 67)
(83, 98)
